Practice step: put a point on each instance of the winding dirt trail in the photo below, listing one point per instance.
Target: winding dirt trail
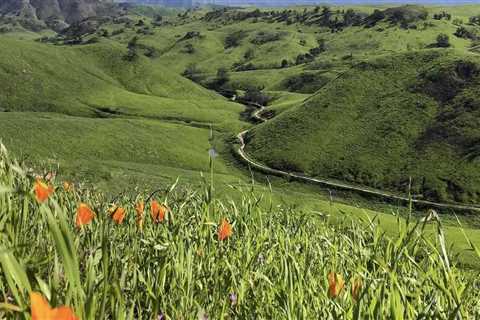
(257, 114)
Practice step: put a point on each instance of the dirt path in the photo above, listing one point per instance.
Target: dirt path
(257, 114)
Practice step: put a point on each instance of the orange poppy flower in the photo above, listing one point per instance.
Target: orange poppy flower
(140, 207)
(224, 230)
(158, 211)
(335, 284)
(356, 288)
(84, 215)
(67, 186)
(42, 191)
(118, 215)
(41, 309)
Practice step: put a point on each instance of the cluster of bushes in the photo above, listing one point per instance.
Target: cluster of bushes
(188, 48)
(467, 33)
(245, 65)
(405, 16)
(191, 35)
(475, 20)
(310, 55)
(255, 95)
(221, 83)
(442, 15)
(241, 66)
(232, 15)
(193, 73)
(233, 40)
(134, 47)
(305, 82)
(263, 37)
(146, 30)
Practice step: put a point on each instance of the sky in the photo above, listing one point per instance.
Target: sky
(450, 2)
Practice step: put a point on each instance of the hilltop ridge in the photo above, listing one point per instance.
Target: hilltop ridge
(37, 14)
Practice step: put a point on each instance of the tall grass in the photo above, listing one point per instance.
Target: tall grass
(274, 266)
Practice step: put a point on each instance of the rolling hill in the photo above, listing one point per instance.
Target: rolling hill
(385, 120)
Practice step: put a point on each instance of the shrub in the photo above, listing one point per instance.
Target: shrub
(193, 73)
(255, 95)
(265, 37)
(463, 32)
(443, 41)
(249, 54)
(233, 39)
(305, 82)
(188, 48)
(118, 31)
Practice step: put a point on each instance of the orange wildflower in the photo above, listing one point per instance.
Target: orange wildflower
(67, 186)
(356, 288)
(41, 309)
(84, 215)
(140, 207)
(118, 215)
(224, 230)
(42, 191)
(335, 284)
(158, 211)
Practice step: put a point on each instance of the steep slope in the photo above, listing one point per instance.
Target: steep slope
(399, 116)
(33, 14)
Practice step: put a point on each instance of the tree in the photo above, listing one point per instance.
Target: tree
(222, 76)
(326, 15)
(132, 50)
(193, 73)
(132, 44)
(188, 48)
(255, 95)
(322, 44)
(158, 20)
(249, 54)
(284, 63)
(443, 41)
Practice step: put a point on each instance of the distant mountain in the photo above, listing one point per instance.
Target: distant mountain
(275, 3)
(38, 11)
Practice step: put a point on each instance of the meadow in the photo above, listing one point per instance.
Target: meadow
(181, 252)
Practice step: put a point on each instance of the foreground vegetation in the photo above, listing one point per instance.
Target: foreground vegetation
(197, 255)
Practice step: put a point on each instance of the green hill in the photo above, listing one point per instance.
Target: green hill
(92, 111)
(385, 120)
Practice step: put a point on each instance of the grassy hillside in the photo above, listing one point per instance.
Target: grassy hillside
(88, 79)
(387, 119)
(90, 110)
(274, 263)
